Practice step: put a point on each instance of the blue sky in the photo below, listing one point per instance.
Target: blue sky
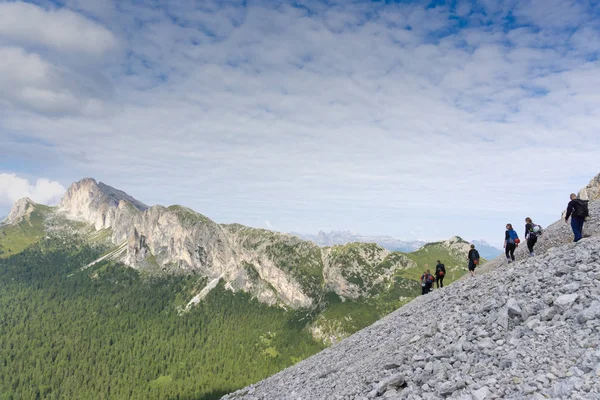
(419, 120)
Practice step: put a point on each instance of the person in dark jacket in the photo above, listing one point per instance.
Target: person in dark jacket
(530, 236)
(426, 282)
(511, 240)
(440, 272)
(576, 221)
(473, 259)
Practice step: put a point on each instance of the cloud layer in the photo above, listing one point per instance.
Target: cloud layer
(380, 118)
(44, 191)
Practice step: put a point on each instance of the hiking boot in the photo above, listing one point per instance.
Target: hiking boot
(509, 260)
(532, 254)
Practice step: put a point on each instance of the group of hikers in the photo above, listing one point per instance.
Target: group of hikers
(427, 279)
(577, 210)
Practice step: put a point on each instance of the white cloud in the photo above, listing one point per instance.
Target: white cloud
(62, 29)
(44, 191)
(53, 61)
(34, 83)
(330, 119)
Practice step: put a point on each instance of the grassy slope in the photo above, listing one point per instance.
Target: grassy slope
(426, 258)
(16, 238)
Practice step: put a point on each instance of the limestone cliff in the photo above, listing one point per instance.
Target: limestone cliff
(21, 209)
(276, 268)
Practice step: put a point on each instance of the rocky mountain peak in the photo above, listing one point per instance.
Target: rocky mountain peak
(22, 208)
(96, 203)
(455, 239)
(89, 191)
(592, 190)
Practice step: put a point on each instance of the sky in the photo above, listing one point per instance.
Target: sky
(419, 120)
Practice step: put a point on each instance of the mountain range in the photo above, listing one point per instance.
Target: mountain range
(325, 239)
(106, 297)
(275, 268)
(343, 237)
(103, 257)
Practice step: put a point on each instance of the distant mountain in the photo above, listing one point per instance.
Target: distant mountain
(331, 238)
(486, 250)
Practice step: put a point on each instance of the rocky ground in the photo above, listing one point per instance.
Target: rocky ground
(528, 330)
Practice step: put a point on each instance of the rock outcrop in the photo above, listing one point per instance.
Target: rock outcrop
(528, 330)
(21, 209)
(592, 190)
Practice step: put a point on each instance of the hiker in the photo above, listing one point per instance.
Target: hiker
(440, 271)
(532, 231)
(578, 211)
(511, 241)
(426, 282)
(473, 259)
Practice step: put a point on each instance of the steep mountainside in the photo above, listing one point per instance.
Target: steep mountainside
(332, 238)
(527, 330)
(345, 287)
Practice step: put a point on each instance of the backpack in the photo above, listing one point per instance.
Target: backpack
(581, 210)
(538, 233)
(512, 236)
(475, 255)
(440, 270)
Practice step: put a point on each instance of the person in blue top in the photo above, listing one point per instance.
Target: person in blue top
(511, 241)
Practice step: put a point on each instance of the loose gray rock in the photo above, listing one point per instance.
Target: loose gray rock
(481, 393)
(519, 332)
(565, 301)
(513, 307)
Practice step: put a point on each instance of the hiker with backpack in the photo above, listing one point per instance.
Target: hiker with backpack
(440, 271)
(532, 232)
(511, 241)
(426, 282)
(578, 210)
(473, 257)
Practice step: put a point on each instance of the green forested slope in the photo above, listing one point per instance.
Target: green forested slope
(109, 334)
